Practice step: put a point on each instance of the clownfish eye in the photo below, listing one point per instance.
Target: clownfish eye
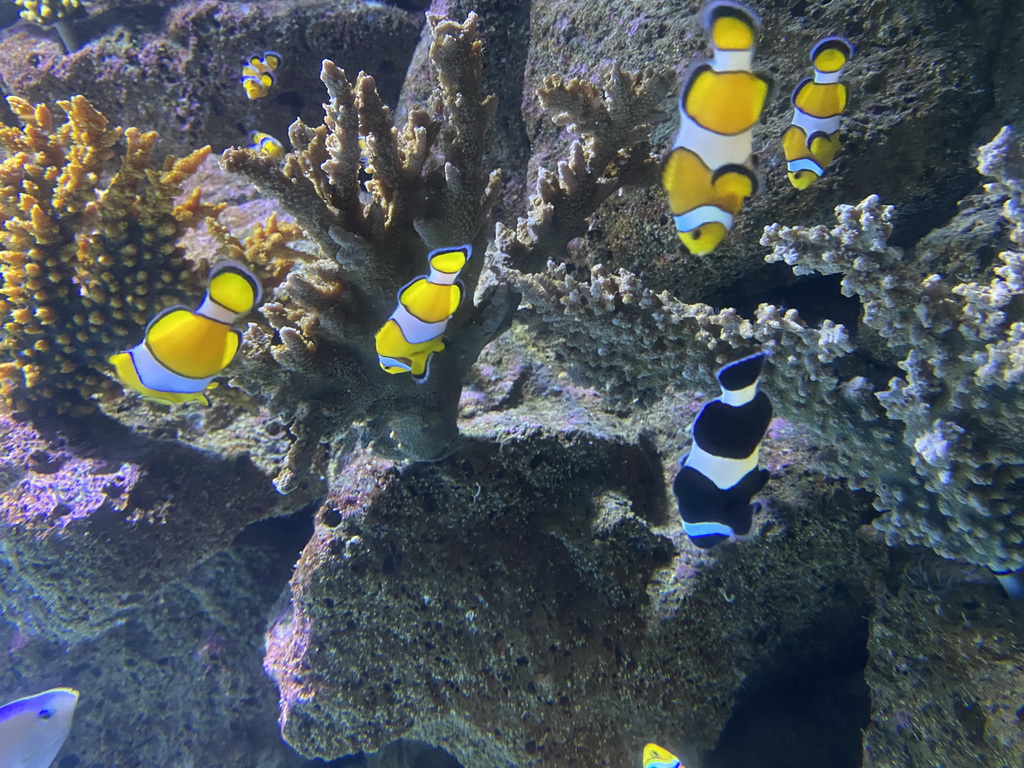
(45, 714)
(696, 234)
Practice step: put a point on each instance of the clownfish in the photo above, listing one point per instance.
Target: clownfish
(812, 139)
(183, 350)
(33, 729)
(709, 172)
(719, 476)
(657, 757)
(414, 330)
(267, 144)
(259, 73)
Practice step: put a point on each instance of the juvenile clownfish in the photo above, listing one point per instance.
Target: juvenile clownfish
(414, 330)
(709, 172)
(719, 476)
(33, 729)
(267, 144)
(183, 350)
(812, 139)
(259, 73)
(657, 757)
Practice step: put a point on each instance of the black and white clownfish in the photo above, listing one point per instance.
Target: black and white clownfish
(266, 144)
(709, 171)
(719, 476)
(812, 139)
(657, 757)
(415, 329)
(259, 73)
(183, 350)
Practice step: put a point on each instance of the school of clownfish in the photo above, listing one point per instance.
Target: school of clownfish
(708, 174)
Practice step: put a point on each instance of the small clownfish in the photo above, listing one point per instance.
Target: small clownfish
(709, 172)
(183, 350)
(259, 73)
(33, 729)
(657, 757)
(719, 476)
(414, 330)
(266, 144)
(812, 139)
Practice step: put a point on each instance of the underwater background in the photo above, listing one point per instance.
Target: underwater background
(484, 565)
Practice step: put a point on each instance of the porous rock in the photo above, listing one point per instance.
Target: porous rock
(532, 598)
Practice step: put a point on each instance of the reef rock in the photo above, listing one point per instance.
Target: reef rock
(532, 599)
(946, 649)
(176, 66)
(89, 528)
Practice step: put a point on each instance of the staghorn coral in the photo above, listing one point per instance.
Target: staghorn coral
(952, 321)
(86, 261)
(940, 447)
(428, 189)
(611, 151)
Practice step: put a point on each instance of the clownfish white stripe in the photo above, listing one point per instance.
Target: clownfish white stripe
(739, 396)
(716, 149)
(724, 473)
(154, 375)
(827, 78)
(703, 215)
(694, 530)
(414, 330)
(812, 125)
(392, 362)
(730, 61)
(217, 312)
(805, 164)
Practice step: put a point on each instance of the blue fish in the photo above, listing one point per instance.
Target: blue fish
(719, 476)
(33, 729)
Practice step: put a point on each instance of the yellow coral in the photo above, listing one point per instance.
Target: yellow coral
(85, 264)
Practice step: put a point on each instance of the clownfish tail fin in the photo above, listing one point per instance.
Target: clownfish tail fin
(233, 286)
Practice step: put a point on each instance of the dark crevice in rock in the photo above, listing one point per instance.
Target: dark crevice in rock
(808, 708)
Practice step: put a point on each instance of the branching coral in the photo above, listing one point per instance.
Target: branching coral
(954, 325)
(941, 447)
(611, 151)
(86, 262)
(428, 189)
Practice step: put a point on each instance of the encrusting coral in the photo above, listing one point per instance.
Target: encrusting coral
(428, 189)
(940, 447)
(86, 261)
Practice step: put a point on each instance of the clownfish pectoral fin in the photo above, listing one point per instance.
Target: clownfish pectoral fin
(272, 59)
(658, 757)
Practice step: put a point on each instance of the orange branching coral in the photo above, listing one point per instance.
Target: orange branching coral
(85, 261)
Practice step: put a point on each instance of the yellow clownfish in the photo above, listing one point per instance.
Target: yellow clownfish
(656, 757)
(267, 144)
(709, 172)
(258, 74)
(183, 350)
(413, 332)
(812, 139)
